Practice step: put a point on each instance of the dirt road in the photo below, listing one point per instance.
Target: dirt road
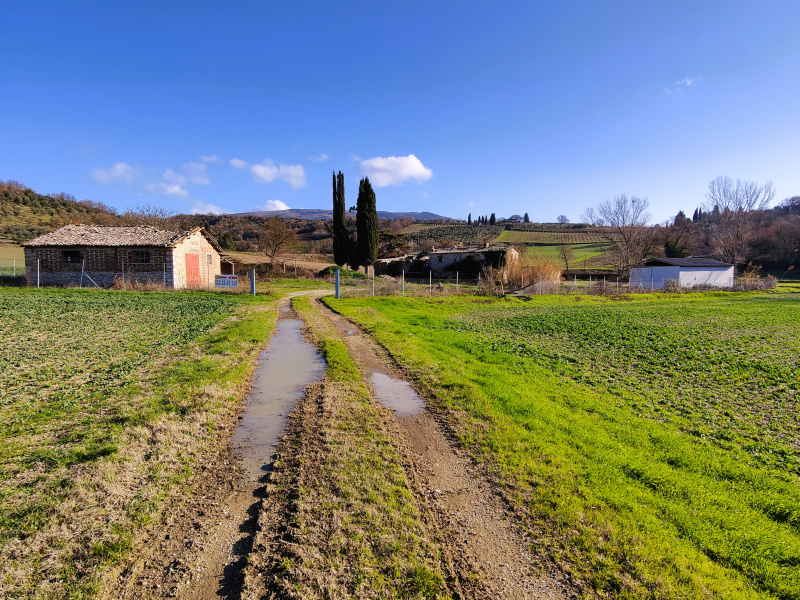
(226, 520)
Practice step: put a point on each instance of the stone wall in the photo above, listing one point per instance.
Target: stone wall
(195, 244)
(103, 265)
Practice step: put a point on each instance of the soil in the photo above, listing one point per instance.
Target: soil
(199, 550)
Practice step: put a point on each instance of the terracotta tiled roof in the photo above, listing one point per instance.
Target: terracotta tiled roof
(95, 235)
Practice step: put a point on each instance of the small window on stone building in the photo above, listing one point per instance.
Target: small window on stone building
(71, 256)
(141, 256)
(208, 258)
(440, 259)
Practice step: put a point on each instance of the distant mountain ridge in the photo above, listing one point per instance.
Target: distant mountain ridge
(319, 213)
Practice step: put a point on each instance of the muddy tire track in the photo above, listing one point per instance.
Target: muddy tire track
(490, 553)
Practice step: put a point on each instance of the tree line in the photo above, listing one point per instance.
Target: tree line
(734, 225)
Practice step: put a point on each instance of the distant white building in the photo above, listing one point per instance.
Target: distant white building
(688, 272)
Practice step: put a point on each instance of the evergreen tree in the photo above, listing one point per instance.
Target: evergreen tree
(492, 219)
(526, 219)
(367, 224)
(469, 219)
(340, 237)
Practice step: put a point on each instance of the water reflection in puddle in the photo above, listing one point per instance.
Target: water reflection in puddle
(397, 395)
(286, 367)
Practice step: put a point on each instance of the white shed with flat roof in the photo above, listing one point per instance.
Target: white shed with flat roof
(688, 272)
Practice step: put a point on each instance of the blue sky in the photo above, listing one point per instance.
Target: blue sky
(450, 107)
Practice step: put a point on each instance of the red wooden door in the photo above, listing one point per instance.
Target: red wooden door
(192, 270)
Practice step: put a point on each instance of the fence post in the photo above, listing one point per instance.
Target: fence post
(253, 282)
(83, 262)
(37, 273)
(404, 283)
(165, 276)
(456, 283)
(430, 283)
(15, 267)
(337, 284)
(373, 281)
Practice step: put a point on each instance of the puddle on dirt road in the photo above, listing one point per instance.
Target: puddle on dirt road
(397, 395)
(285, 368)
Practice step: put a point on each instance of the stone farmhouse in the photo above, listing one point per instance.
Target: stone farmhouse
(688, 272)
(89, 254)
(471, 260)
(444, 263)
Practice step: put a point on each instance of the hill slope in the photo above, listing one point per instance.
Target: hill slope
(320, 213)
(25, 214)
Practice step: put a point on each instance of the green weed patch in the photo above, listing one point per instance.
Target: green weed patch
(651, 445)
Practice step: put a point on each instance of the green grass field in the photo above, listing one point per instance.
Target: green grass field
(651, 445)
(106, 399)
(549, 237)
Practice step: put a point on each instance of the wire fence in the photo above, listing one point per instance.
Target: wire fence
(384, 285)
(12, 268)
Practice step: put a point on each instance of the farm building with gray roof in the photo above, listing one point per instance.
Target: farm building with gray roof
(656, 273)
(91, 255)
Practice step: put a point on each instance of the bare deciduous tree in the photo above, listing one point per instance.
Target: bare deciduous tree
(589, 216)
(152, 215)
(733, 205)
(627, 229)
(566, 254)
(276, 236)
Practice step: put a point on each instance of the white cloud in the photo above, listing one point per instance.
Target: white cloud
(354, 158)
(196, 172)
(394, 170)
(204, 208)
(170, 176)
(321, 157)
(680, 86)
(294, 175)
(238, 163)
(168, 189)
(119, 172)
(273, 205)
(213, 158)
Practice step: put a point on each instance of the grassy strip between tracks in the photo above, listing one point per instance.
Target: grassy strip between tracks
(340, 519)
(107, 401)
(650, 444)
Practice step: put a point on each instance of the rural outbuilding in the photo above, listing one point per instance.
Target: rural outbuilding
(471, 260)
(90, 254)
(688, 272)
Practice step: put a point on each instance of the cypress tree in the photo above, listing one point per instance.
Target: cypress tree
(492, 220)
(526, 219)
(367, 224)
(469, 219)
(340, 237)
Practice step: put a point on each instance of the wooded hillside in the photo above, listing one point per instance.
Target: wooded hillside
(25, 214)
